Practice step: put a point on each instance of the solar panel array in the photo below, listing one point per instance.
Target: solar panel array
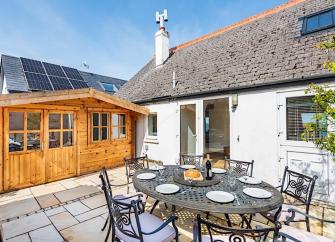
(47, 76)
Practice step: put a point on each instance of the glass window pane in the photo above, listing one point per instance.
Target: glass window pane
(67, 121)
(115, 119)
(54, 121)
(15, 142)
(67, 138)
(115, 132)
(312, 23)
(16, 121)
(96, 117)
(96, 135)
(152, 124)
(122, 132)
(33, 121)
(325, 19)
(122, 119)
(104, 133)
(33, 141)
(301, 119)
(104, 119)
(54, 139)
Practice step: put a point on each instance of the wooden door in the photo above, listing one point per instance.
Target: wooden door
(60, 147)
(23, 148)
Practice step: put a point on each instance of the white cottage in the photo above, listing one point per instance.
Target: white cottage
(239, 93)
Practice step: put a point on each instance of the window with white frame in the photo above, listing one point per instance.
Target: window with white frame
(300, 119)
(152, 124)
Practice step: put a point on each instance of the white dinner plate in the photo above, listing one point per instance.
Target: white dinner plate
(220, 196)
(146, 176)
(167, 188)
(156, 168)
(187, 166)
(218, 170)
(257, 192)
(250, 180)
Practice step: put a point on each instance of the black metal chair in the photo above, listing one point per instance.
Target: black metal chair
(242, 167)
(190, 159)
(131, 223)
(289, 233)
(219, 233)
(134, 164)
(105, 183)
(300, 187)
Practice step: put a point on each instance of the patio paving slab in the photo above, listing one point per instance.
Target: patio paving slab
(68, 184)
(20, 238)
(75, 193)
(47, 200)
(95, 201)
(91, 214)
(87, 231)
(18, 208)
(63, 220)
(24, 225)
(76, 208)
(48, 233)
(47, 189)
(15, 196)
(54, 211)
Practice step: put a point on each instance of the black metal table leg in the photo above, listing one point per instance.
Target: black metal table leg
(154, 206)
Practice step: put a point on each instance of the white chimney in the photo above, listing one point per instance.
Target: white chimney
(162, 50)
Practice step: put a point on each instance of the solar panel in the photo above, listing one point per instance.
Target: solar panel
(78, 84)
(72, 73)
(53, 70)
(32, 65)
(38, 81)
(60, 83)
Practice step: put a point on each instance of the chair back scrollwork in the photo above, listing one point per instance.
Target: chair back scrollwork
(242, 167)
(134, 164)
(298, 186)
(232, 234)
(190, 159)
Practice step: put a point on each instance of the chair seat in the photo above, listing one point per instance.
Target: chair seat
(224, 238)
(143, 198)
(284, 213)
(148, 223)
(303, 235)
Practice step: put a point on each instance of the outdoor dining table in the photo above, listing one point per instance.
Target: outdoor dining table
(194, 197)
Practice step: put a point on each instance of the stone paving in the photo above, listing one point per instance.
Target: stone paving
(75, 210)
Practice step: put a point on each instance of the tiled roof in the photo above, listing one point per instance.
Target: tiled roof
(16, 82)
(266, 48)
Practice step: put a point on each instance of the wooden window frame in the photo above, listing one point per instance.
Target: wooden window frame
(25, 130)
(61, 130)
(99, 126)
(110, 126)
(119, 126)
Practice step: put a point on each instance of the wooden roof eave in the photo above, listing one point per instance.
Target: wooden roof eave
(50, 96)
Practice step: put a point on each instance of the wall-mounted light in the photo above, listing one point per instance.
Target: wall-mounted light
(234, 101)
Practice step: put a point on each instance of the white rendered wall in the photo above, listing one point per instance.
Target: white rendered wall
(254, 128)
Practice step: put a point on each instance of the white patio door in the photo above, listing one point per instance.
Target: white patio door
(188, 129)
(298, 155)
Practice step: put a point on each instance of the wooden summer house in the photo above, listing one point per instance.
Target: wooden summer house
(47, 136)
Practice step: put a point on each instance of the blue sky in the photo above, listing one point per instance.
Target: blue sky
(114, 37)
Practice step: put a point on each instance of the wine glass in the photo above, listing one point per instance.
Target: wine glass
(232, 183)
(161, 173)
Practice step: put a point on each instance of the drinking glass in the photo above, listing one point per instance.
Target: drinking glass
(161, 173)
(232, 183)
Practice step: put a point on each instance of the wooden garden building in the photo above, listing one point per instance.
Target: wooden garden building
(51, 135)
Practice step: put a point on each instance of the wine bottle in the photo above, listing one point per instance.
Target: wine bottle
(209, 174)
